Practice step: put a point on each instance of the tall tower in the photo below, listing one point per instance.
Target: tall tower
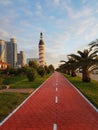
(11, 50)
(21, 59)
(41, 51)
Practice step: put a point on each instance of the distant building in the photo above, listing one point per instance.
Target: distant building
(11, 52)
(41, 51)
(2, 51)
(3, 64)
(32, 59)
(21, 59)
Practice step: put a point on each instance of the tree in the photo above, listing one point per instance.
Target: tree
(41, 71)
(73, 66)
(33, 64)
(65, 68)
(94, 44)
(47, 69)
(31, 74)
(51, 68)
(85, 59)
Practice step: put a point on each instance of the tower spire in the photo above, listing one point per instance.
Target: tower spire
(41, 51)
(41, 35)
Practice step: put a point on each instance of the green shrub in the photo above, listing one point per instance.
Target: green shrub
(31, 74)
(6, 81)
(41, 71)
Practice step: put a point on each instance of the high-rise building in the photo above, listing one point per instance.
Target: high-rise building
(11, 52)
(2, 51)
(41, 51)
(3, 64)
(21, 59)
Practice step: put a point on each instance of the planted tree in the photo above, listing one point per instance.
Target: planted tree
(66, 68)
(85, 59)
(31, 74)
(33, 64)
(51, 68)
(73, 66)
(41, 71)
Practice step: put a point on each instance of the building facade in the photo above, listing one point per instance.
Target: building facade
(41, 51)
(11, 52)
(2, 51)
(21, 59)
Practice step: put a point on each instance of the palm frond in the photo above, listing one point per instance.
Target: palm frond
(63, 61)
(76, 57)
(94, 54)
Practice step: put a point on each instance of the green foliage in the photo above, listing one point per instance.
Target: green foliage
(41, 71)
(51, 68)
(22, 81)
(31, 74)
(47, 69)
(6, 81)
(33, 64)
(85, 59)
(9, 101)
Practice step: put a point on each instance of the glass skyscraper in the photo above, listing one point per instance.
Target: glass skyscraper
(11, 52)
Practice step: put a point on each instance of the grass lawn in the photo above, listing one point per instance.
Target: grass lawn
(22, 82)
(90, 90)
(9, 101)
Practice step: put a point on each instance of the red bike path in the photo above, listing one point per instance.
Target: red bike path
(56, 105)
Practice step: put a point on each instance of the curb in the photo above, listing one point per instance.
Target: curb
(82, 95)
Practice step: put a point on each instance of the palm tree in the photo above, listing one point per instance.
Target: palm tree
(94, 44)
(69, 66)
(65, 67)
(73, 65)
(85, 59)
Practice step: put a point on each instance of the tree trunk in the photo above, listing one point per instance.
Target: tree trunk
(68, 71)
(85, 75)
(73, 73)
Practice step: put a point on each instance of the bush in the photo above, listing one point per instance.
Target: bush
(41, 71)
(31, 74)
(6, 81)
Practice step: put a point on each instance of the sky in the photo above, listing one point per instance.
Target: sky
(67, 26)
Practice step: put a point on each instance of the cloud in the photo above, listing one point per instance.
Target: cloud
(73, 13)
(3, 34)
(56, 2)
(39, 10)
(5, 2)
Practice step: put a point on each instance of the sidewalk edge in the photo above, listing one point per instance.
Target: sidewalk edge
(90, 103)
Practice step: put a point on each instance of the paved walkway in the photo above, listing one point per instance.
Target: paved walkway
(55, 106)
(17, 90)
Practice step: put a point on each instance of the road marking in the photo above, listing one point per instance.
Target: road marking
(54, 126)
(56, 99)
(56, 89)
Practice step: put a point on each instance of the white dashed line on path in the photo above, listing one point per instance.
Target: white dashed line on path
(54, 126)
(56, 89)
(56, 99)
